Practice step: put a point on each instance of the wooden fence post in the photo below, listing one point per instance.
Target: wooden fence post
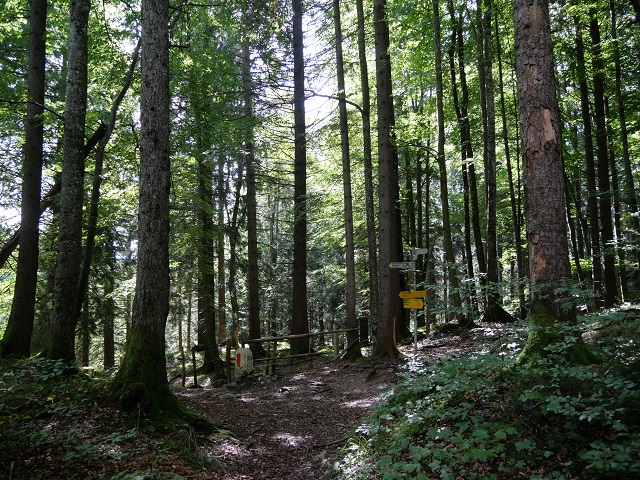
(228, 359)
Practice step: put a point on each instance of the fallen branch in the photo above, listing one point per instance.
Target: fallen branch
(375, 369)
(329, 444)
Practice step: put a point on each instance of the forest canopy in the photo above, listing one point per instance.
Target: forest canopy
(307, 149)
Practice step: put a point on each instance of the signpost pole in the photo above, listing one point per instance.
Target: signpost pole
(416, 252)
(415, 312)
(410, 296)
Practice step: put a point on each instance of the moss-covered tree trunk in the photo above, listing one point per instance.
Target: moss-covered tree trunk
(141, 381)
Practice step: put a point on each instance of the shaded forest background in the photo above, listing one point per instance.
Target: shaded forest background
(233, 150)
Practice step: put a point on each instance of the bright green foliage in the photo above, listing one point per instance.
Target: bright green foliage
(485, 416)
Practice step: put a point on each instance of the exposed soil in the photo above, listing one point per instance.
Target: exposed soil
(288, 426)
(291, 426)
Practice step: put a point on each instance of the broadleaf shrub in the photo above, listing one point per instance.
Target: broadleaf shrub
(484, 415)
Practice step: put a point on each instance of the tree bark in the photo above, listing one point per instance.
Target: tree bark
(16, 340)
(594, 229)
(572, 229)
(62, 328)
(389, 312)
(109, 306)
(253, 254)
(222, 302)
(543, 168)
(206, 274)
(233, 263)
(350, 293)
(300, 320)
(517, 239)
(617, 223)
(602, 155)
(465, 145)
(493, 310)
(372, 244)
(444, 189)
(468, 148)
(630, 194)
(141, 380)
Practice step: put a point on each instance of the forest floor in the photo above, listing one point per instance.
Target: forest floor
(293, 425)
(299, 423)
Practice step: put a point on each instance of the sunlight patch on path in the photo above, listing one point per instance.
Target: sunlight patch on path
(288, 439)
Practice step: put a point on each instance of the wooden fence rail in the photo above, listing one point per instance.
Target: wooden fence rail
(272, 358)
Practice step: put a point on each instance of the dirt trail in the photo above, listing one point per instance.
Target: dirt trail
(292, 426)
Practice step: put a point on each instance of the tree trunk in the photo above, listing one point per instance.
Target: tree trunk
(480, 46)
(468, 148)
(16, 340)
(517, 239)
(65, 293)
(189, 310)
(602, 153)
(543, 179)
(465, 144)
(206, 274)
(253, 254)
(493, 310)
(141, 381)
(109, 306)
(222, 303)
(572, 229)
(444, 189)
(233, 261)
(594, 229)
(623, 292)
(385, 344)
(350, 293)
(409, 201)
(300, 320)
(86, 334)
(97, 182)
(372, 244)
(630, 193)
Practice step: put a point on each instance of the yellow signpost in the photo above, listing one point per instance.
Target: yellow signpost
(413, 294)
(412, 303)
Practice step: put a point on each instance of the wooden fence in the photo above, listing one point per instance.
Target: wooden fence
(271, 360)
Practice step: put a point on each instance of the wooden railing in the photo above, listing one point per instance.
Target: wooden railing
(272, 358)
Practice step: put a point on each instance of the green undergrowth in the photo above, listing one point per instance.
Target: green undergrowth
(487, 416)
(59, 425)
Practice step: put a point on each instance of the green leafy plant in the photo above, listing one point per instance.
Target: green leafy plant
(486, 416)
